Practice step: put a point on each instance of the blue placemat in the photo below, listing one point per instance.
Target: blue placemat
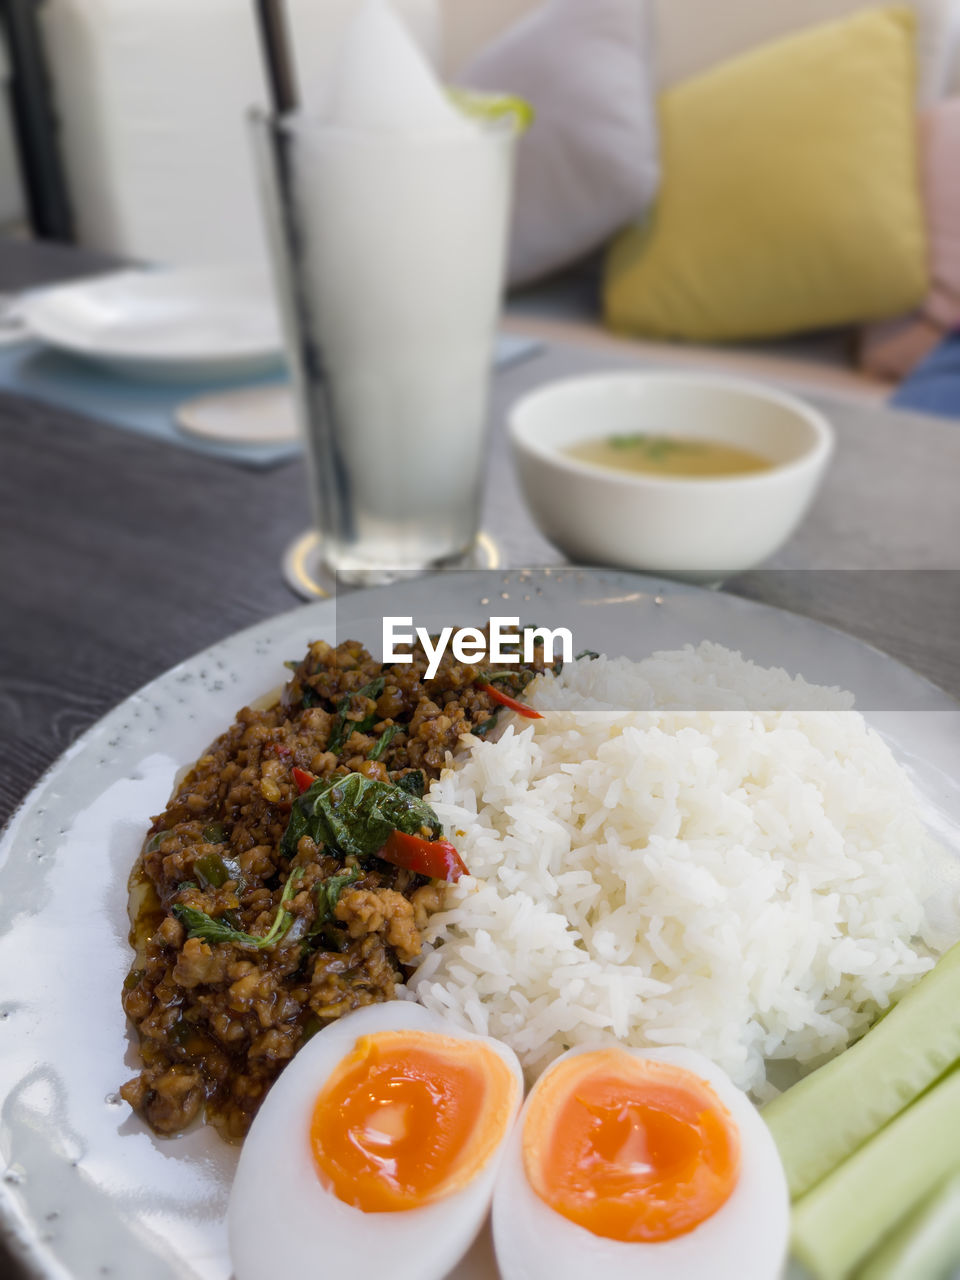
(934, 386)
(32, 370)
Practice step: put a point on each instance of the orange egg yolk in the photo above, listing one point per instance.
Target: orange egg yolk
(631, 1149)
(409, 1117)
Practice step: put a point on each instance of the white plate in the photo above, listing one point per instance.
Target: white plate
(176, 325)
(88, 1190)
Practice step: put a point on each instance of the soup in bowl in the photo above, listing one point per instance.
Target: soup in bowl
(696, 475)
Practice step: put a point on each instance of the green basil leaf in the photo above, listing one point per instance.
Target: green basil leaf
(381, 744)
(481, 730)
(355, 815)
(517, 679)
(211, 871)
(298, 826)
(199, 925)
(311, 1025)
(415, 782)
(345, 725)
(328, 895)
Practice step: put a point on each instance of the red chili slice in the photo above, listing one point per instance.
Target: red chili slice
(303, 780)
(505, 700)
(434, 858)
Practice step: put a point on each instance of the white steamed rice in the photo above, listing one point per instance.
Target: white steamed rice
(751, 884)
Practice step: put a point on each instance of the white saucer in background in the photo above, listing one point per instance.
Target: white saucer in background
(251, 415)
(181, 324)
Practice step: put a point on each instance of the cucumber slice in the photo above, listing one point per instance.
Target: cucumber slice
(926, 1245)
(824, 1117)
(846, 1215)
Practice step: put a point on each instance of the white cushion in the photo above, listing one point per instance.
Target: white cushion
(152, 98)
(589, 164)
(694, 35)
(468, 26)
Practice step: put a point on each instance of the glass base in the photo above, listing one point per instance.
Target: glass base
(308, 576)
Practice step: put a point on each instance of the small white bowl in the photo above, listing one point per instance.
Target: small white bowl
(703, 527)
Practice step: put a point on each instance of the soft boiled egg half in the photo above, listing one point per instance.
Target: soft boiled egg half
(376, 1151)
(631, 1162)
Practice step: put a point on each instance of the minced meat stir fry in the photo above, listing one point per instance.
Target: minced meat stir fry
(263, 903)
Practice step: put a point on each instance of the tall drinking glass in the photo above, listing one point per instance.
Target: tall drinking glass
(389, 257)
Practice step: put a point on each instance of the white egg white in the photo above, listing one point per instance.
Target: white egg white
(282, 1221)
(746, 1239)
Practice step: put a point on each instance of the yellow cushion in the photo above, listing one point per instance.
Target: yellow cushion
(790, 196)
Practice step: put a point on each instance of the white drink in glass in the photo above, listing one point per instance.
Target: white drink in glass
(397, 213)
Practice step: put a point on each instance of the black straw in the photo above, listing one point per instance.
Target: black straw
(276, 56)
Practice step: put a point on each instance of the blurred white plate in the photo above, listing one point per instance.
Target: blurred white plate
(184, 324)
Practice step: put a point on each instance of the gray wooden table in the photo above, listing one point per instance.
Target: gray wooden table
(120, 556)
